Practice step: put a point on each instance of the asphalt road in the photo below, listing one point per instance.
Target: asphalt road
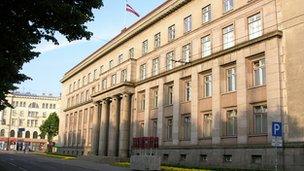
(11, 161)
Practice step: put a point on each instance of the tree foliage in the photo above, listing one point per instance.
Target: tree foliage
(24, 23)
(50, 127)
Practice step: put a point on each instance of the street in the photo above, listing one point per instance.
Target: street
(12, 161)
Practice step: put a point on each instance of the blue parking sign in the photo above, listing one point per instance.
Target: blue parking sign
(277, 129)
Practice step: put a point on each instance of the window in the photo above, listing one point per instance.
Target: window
(2, 133)
(154, 127)
(155, 66)
(131, 53)
(171, 33)
(254, 26)
(142, 72)
(206, 13)
(231, 125)
(78, 84)
(188, 90)
(83, 80)
(154, 98)
(169, 60)
(186, 125)
(169, 125)
(228, 37)
(100, 69)
(142, 102)
(89, 78)
(110, 64)
(231, 79)
(227, 158)
(206, 46)
(104, 84)
(145, 47)
(169, 94)
(124, 75)
(95, 74)
(228, 5)
(259, 72)
(113, 80)
(260, 119)
(120, 58)
(256, 159)
(157, 40)
(74, 88)
(182, 157)
(186, 53)
(207, 125)
(203, 158)
(187, 24)
(208, 85)
(141, 129)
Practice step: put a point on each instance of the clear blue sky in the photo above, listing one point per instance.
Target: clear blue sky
(47, 70)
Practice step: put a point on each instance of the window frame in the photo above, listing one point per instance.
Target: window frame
(171, 33)
(188, 24)
(206, 13)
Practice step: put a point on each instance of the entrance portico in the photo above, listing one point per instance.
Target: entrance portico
(112, 131)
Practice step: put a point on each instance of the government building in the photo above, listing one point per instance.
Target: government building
(19, 126)
(207, 77)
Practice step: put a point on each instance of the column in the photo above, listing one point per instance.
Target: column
(176, 114)
(113, 127)
(124, 125)
(76, 128)
(216, 105)
(194, 105)
(242, 128)
(95, 129)
(147, 112)
(104, 125)
(160, 111)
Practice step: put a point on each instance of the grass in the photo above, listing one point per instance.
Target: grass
(163, 167)
(57, 156)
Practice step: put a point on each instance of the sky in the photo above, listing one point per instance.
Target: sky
(47, 70)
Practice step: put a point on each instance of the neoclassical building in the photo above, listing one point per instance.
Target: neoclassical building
(19, 126)
(208, 77)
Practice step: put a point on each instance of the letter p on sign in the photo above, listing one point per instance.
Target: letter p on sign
(277, 129)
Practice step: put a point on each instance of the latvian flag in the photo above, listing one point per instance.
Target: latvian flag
(131, 10)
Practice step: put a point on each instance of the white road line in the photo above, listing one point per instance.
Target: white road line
(12, 164)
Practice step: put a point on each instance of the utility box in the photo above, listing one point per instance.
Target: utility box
(147, 158)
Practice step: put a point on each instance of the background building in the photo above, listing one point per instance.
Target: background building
(208, 77)
(29, 112)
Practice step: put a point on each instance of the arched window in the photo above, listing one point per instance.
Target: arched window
(2, 132)
(19, 135)
(12, 133)
(35, 135)
(27, 134)
(33, 105)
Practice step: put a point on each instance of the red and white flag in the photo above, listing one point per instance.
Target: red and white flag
(131, 10)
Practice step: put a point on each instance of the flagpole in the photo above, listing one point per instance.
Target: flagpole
(125, 17)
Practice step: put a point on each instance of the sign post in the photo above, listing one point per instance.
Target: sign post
(277, 140)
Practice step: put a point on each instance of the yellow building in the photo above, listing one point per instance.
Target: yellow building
(20, 125)
(208, 77)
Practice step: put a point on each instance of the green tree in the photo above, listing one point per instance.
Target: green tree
(50, 127)
(24, 23)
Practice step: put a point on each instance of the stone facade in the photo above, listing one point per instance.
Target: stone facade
(29, 112)
(206, 77)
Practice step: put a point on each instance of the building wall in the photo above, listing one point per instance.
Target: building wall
(29, 112)
(150, 117)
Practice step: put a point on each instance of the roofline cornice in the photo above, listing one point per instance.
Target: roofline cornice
(151, 18)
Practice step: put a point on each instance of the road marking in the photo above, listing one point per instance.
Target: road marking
(12, 164)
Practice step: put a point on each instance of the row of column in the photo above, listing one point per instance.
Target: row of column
(112, 126)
